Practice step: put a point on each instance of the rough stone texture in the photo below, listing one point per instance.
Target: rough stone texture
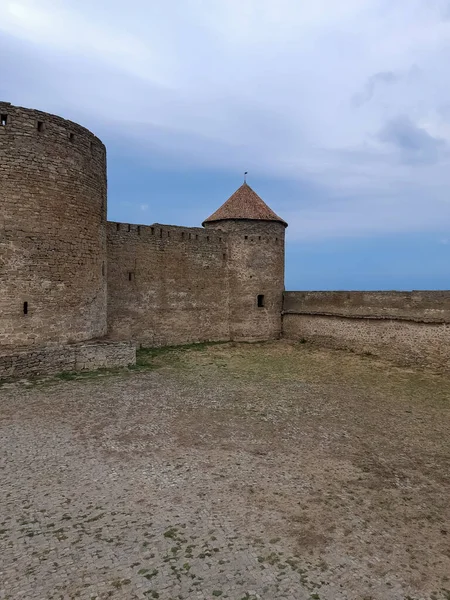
(406, 327)
(255, 267)
(174, 285)
(69, 357)
(166, 285)
(428, 306)
(52, 230)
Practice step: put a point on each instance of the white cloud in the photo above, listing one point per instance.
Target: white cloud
(268, 85)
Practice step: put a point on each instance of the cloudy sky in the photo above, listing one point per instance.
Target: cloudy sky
(340, 111)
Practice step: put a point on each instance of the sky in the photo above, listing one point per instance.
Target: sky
(339, 111)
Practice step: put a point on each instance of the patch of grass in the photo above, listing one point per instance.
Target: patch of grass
(118, 583)
(145, 355)
(66, 375)
(171, 533)
(152, 574)
(96, 518)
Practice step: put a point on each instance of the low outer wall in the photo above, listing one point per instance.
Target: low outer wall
(72, 357)
(420, 306)
(409, 328)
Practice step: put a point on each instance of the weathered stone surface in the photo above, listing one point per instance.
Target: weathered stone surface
(69, 357)
(406, 327)
(421, 306)
(52, 230)
(166, 285)
(174, 285)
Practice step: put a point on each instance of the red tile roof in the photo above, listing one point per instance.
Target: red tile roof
(244, 204)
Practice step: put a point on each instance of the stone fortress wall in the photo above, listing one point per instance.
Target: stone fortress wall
(52, 230)
(78, 292)
(409, 328)
(166, 285)
(171, 285)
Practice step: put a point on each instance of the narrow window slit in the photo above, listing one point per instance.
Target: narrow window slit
(118, 226)
(40, 126)
(71, 137)
(25, 308)
(3, 120)
(130, 275)
(260, 300)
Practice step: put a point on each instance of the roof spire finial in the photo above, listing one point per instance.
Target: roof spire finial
(245, 176)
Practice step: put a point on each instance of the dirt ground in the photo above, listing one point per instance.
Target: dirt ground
(273, 471)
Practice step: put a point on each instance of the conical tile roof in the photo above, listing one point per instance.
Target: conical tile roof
(244, 204)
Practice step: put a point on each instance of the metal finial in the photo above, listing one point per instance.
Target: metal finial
(245, 176)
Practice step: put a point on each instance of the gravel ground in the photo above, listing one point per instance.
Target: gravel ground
(272, 471)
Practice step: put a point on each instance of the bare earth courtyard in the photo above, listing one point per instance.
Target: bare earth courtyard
(227, 471)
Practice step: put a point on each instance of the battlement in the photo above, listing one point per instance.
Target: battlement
(166, 233)
(180, 233)
(38, 126)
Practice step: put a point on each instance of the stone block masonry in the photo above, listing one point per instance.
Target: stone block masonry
(52, 230)
(87, 356)
(167, 285)
(408, 328)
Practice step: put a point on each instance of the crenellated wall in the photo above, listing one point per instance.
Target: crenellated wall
(166, 285)
(409, 328)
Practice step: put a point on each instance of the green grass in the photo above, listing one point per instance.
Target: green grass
(143, 355)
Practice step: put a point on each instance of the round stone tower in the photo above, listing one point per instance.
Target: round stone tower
(255, 264)
(52, 230)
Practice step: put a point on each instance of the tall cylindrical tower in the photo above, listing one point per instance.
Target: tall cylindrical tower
(255, 264)
(52, 230)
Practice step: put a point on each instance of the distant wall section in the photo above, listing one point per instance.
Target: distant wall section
(166, 285)
(410, 328)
